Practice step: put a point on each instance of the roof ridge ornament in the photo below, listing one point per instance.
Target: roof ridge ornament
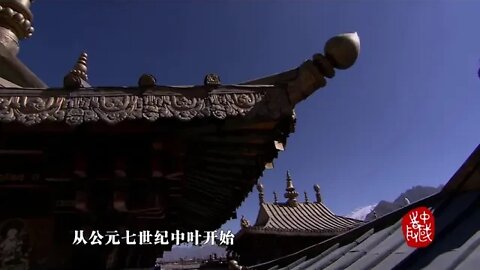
(233, 264)
(77, 77)
(212, 79)
(146, 81)
(244, 223)
(340, 52)
(261, 195)
(317, 193)
(306, 196)
(275, 198)
(291, 194)
(80, 67)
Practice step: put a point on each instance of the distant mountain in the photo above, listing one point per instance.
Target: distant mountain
(362, 212)
(190, 252)
(412, 195)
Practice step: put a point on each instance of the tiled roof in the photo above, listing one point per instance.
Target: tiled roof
(305, 217)
(380, 244)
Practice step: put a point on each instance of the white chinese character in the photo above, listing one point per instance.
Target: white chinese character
(411, 234)
(226, 238)
(145, 238)
(95, 238)
(211, 235)
(424, 217)
(79, 238)
(130, 238)
(193, 237)
(425, 235)
(418, 232)
(161, 237)
(112, 238)
(178, 237)
(413, 220)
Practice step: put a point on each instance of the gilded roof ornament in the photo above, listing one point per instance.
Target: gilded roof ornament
(80, 67)
(233, 265)
(15, 23)
(212, 79)
(260, 193)
(244, 223)
(291, 195)
(317, 193)
(77, 77)
(342, 51)
(147, 80)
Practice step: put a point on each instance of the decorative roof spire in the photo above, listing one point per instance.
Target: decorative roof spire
(317, 193)
(212, 79)
(291, 195)
(80, 67)
(77, 77)
(275, 198)
(306, 196)
(260, 193)
(15, 23)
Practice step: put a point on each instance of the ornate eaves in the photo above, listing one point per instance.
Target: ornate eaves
(31, 107)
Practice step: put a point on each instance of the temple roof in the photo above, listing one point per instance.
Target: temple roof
(305, 217)
(299, 218)
(227, 134)
(380, 244)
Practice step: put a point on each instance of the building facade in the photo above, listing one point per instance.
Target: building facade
(132, 158)
(282, 228)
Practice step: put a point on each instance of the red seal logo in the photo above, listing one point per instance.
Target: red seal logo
(418, 227)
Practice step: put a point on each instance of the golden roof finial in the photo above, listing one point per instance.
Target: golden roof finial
(260, 193)
(244, 222)
(212, 79)
(317, 193)
(16, 23)
(291, 195)
(147, 80)
(77, 77)
(343, 50)
(80, 67)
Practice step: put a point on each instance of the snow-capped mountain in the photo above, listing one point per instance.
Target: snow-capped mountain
(412, 195)
(362, 212)
(384, 207)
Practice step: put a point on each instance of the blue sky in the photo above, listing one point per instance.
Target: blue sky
(405, 114)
